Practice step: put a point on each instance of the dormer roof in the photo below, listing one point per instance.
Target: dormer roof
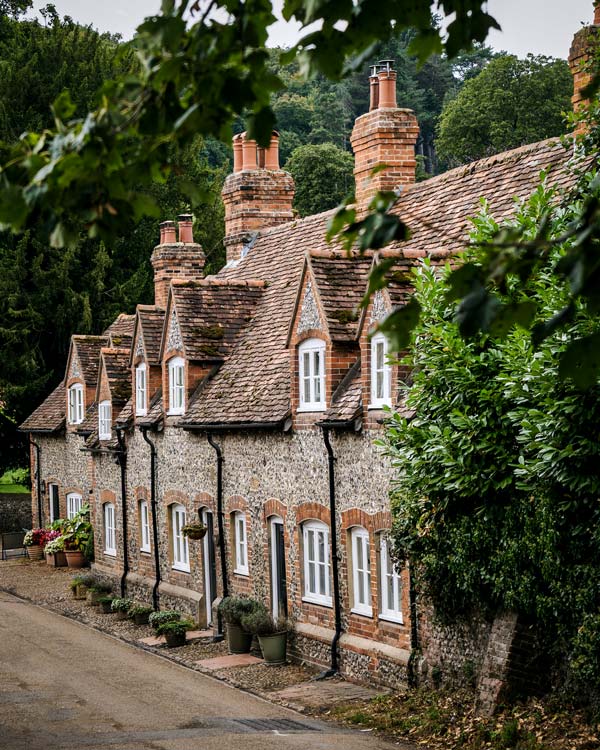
(84, 358)
(120, 332)
(148, 330)
(114, 366)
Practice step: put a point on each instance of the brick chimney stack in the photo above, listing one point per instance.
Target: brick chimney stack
(257, 195)
(384, 135)
(584, 42)
(183, 260)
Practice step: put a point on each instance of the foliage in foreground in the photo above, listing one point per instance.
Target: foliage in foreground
(496, 489)
(448, 720)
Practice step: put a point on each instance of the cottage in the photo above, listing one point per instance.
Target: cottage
(252, 399)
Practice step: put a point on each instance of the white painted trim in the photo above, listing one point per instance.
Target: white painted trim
(386, 371)
(316, 595)
(361, 577)
(109, 529)
(315, 379)
(76, 403)
(141, 390)
(176, 390)
(388, 611)
(241, 543)
(105, 420)
(273, 522)
(144, 509)
(181, 553)
(74, 504)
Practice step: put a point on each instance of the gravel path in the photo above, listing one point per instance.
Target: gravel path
(49, 587)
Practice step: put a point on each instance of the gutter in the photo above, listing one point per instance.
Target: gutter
(222, 552)
(144, 431)
(232, 426)
(38, 477)
(337, 603)
(122, 459)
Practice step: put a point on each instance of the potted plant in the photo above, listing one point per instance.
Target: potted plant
(79, 538)
(121, 608)
(96, 592)
(157, 619)
(272, 635)
(140, 613)
(34, 543)
(80, 584)
(194, 530)
(174, 632)
(54, 549)
(105, 603)
(232, 610)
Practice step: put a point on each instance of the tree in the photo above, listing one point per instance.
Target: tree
(495, 498)
(510, 103)
(323, 177)
(14, 8)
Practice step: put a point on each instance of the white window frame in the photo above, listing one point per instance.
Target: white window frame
(74, 504)
(316, 594)
(389, 610)
(141, 390)
(144, 526)
(76, 407)
(105, 420)
(181, 553)
(50, 503)
(385, 371)
(176, 390)
(240, 539)
(361, 575)
(110, 530)
(311, 380)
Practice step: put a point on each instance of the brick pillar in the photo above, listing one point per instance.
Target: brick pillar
(386, 135)
(584, 41)
(183, 260)
(257, 195)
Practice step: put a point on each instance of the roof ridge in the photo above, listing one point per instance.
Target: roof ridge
(213, 281)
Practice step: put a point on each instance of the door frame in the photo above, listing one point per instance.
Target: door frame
(275, 521)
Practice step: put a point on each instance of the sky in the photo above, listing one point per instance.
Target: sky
(543, 27)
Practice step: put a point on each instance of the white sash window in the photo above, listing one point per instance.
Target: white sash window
(181, 557)
(104, 420)
(141, 406)
(241, 543)
(380, 372)
(361, 572)
(110, 541)
(311, 367)
(144, 527)
(315, 538)
(176, 386)
(76, 404)
(391, 591)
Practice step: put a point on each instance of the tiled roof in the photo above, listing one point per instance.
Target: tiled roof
(346, 403)
(125, 415)
(155, 412)
(50, 415)
(120, 332)
(253, 385)
(151, 320)
(211, 313)
(116, 366)
(90, 422)
(341, 282)
(88, 352)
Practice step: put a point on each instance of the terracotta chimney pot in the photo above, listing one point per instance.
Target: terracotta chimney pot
(272, 153)
(373, 90)
(162, 233)
(249, 154)
(387, 89)
(168, 237)
(237, 153)
(186, 232)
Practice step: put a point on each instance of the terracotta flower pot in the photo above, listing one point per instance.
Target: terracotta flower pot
(56, 559)
(238, 640)
(75, 559)
(35, 552)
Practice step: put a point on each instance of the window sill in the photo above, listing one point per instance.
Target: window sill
(110, 552)
(141, 413)
(379, 407)
(175, 413)
(145, 551)
(317, 409)
(102, 438)
(181, 568)
(396, 619)
(241, 572)
(363, 612)
(321, 602)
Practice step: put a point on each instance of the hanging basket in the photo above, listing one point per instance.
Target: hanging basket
(194, 530)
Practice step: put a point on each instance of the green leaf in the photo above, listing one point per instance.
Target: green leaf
(399, 325)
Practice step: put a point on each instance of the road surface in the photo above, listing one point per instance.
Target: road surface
(64, 685)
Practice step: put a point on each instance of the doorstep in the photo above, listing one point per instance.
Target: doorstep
(191, 635)
(324, 694)
(225, 662)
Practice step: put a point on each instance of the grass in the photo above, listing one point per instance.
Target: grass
(11, 482)
(12, 489)
(448, 720)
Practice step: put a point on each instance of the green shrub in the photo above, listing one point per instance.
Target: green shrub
(140, 609)
(160, 618)
(261, 622)
(121, 605)
(106, 600)
(233, 608)
(175, 626)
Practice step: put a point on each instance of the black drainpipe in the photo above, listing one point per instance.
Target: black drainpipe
(334, 559)
(220, 526)
(144, 431)
(38, 477)
(414, 632)
(122, 459)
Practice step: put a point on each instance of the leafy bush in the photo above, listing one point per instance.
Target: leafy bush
(106, 600)
(121, 605)
(83, 579)
(140, 609)
(57, 544)
(160, 618)
(261, 622)
(233, 608)
(176, 627)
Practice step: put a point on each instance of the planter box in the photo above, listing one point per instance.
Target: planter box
(80, 591)
(56, 560)
(35, 552)
(75, 559)
(141, 619)
(174, 640)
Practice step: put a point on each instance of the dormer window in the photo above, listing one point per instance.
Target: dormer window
(311, 355)
(141, 398)
(381, 372)
(76, 404)
(104, 420)
(176, 386)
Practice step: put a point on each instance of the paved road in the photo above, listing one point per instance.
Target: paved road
(63, 685)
